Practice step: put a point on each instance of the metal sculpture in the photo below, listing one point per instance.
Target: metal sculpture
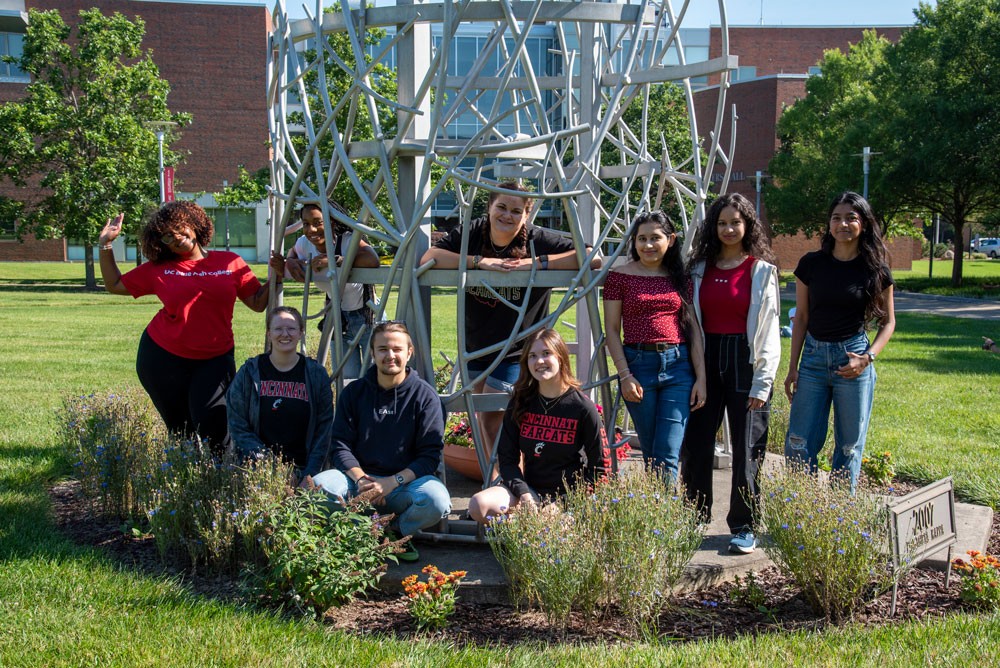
(607, 54)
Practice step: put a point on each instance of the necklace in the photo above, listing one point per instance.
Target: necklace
(497, 251)
(549, 404)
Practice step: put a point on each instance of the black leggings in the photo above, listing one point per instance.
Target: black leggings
(190, 395)
(729, 376)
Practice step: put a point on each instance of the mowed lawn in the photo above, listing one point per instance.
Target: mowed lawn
(936, 410)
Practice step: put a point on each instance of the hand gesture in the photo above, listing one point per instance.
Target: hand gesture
(856, 364)
(699, 393)
(277, 262)
(112, 229)
(631, 390)
(791, 381)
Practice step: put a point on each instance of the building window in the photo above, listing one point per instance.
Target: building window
(12, 44)
(10, 211)
(242, 227)
(815, 71)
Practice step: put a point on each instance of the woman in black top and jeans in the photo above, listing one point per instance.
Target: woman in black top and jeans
(840, 290)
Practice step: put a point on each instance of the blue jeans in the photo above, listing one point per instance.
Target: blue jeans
(419, 504)
(353, 322)
(501, 378)
(661, 416)
(819, 386)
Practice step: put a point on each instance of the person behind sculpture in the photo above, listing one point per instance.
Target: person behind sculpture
(660, 366)
(738, 305)
(550, 424)
(185, 359)
(281, 401)
(502, 241)
(388, 433)
(841, 289)
(311, 248)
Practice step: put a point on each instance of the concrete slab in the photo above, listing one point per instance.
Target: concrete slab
(711, 564)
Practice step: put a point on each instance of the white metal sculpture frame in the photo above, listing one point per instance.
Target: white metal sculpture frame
(602, 46)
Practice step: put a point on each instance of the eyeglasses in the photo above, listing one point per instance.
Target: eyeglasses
(171, 237)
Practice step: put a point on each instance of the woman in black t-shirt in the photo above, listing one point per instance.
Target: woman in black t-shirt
(281, 401)
(551, 426)
(502, 241)
(840, 290)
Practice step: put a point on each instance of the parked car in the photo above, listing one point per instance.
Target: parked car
(989, 246)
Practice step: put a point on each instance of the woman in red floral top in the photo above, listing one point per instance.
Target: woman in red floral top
(660, 362)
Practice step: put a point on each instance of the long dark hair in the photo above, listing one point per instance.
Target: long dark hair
(526, 387)
(171, 217)
(755, 242)
(672, 260)
(871, 249)
(518, 248)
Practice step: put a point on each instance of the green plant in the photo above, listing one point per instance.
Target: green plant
(980, 579)
(113, 440)
(748, 592)
(432, 602)
(318, 555)
(645, 537)
(550, 560)
(210, 511)
(835, 545)
(458, 431)
(878, 468)
(625, 540)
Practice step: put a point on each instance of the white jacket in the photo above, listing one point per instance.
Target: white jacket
(762, 324)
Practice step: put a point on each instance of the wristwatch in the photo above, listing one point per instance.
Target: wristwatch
(871, 357)
(400, 480)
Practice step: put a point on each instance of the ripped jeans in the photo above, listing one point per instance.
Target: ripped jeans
(819, 386)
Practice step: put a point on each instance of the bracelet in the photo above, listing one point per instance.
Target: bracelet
(476, 260)
(623, 376)
(106, 247)
(544, 260)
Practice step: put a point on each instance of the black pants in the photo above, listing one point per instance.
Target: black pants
(190, 395)
(729, 377)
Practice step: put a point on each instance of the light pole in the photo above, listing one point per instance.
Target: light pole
(225, 184)
(866, 161)
(160, 128)
(760, 186)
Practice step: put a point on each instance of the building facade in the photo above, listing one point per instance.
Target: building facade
(214, 56)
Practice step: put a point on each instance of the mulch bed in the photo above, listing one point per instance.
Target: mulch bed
(705, 614)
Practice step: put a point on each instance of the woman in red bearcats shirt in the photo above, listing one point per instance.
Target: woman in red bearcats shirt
(736, 298)
(185, 359)
(660, 362)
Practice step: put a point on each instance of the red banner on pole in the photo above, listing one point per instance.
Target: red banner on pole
(168, 184)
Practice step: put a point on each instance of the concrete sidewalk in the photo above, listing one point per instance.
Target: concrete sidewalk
(712, 563)
(916, 302)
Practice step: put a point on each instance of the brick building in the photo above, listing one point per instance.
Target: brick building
(213, 55)
(774, 63)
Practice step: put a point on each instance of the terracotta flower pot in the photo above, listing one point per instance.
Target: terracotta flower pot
(463, 460)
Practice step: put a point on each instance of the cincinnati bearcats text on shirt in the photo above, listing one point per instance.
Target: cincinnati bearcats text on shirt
(285, 389)
(549, 428)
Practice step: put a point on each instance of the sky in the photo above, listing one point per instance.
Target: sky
(703, 13)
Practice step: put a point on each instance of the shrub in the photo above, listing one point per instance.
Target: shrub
(646, 536)
(319, 556)
(114, 443)
(980, 580)
(549, 561)
(878, 468)
(210, 511)
(835, 546)
(432, 602)
(624, 541)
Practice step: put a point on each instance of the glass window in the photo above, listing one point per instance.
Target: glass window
(9, 212)
(745, 73)
(242, 227)
(12, 44)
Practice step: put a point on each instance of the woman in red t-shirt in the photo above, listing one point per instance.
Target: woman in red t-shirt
(737, 301)
(185, 360)
(660, 365)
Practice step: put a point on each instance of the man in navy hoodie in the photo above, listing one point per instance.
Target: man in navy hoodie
(388, 433)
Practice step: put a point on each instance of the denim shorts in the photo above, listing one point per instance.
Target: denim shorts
(501, 378)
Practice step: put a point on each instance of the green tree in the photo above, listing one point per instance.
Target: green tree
(78, 133)
(821, 136)
(940, 94)
(248, 189)
(355, 115)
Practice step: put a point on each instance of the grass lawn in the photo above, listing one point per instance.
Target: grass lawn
(980, 278)
(935, 409)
